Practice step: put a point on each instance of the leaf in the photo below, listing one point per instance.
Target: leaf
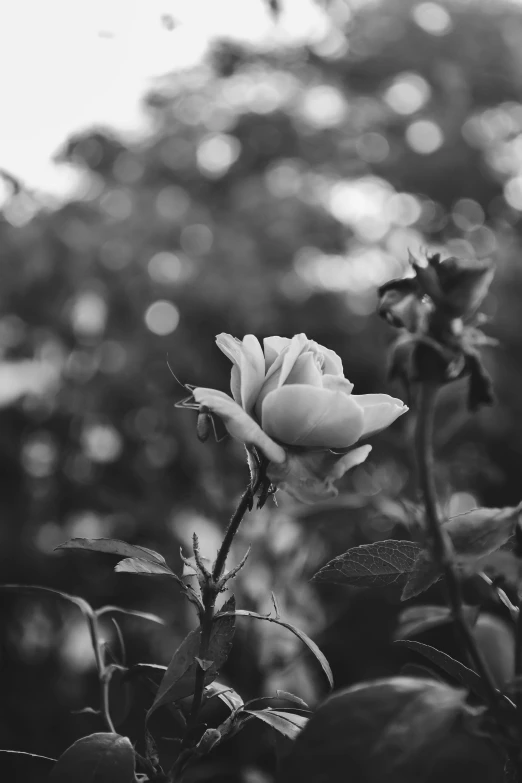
(417, 670)
(204, 664)
(314, 649)
(287, 723)
(227, 695)
(292, 697)
(209, 740)
(137, 565)
(425, 573)
(144, 669)
(112, 546)
(505, 565)
(482, 530)
(474, 535)
(429, 717)
(371, 565)
(131, 612)
(455, 669)
(417, 619)
(81, 603)
(98, 758)
(178, 681)
(22, 766)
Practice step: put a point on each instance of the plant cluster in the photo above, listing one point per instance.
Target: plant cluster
(294, 411)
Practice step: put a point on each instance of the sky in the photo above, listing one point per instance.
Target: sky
(67, 65)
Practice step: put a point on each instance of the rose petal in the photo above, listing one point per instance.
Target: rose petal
(273, 347)
(239, 424)
(350, 460)
(249, 367)
(316, 418)
(287, 358)
(308, 476)
(332, 362)
(305, 371)
(380, 410)
(337, 383)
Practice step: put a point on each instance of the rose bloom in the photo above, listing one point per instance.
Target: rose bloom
(292, 402)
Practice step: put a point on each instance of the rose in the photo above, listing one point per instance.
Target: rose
(293, 403)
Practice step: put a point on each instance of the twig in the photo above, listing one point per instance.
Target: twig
(441, 544)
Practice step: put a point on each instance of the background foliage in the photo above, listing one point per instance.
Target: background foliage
(276, 191)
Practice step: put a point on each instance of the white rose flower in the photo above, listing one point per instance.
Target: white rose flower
(292, 402)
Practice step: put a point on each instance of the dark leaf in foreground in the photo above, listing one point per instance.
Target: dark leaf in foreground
(372, 565)
(98, 758)
(19, 765)
(394, 730)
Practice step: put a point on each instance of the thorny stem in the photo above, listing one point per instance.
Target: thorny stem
(210, 593)
(233, 526)
(209, 602)
(441, 544)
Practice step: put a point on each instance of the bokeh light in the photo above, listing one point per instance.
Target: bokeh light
(408, 93)
(432, 17)
(424, 136)
(162, 318)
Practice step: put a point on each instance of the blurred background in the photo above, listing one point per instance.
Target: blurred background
(172, 170)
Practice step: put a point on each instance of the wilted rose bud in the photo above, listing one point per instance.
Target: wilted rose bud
(436, 307)
(402, 306)
(394, 730)
(464, 283)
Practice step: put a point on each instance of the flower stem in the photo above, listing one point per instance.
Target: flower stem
(233, 526)
(209, 595)
(209, 602)
(441, 544)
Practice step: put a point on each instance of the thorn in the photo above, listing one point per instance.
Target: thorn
(233, 572)
(197, 556)
(276, 606)
(186, 560)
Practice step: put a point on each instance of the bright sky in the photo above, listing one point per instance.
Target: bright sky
(68, 65)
